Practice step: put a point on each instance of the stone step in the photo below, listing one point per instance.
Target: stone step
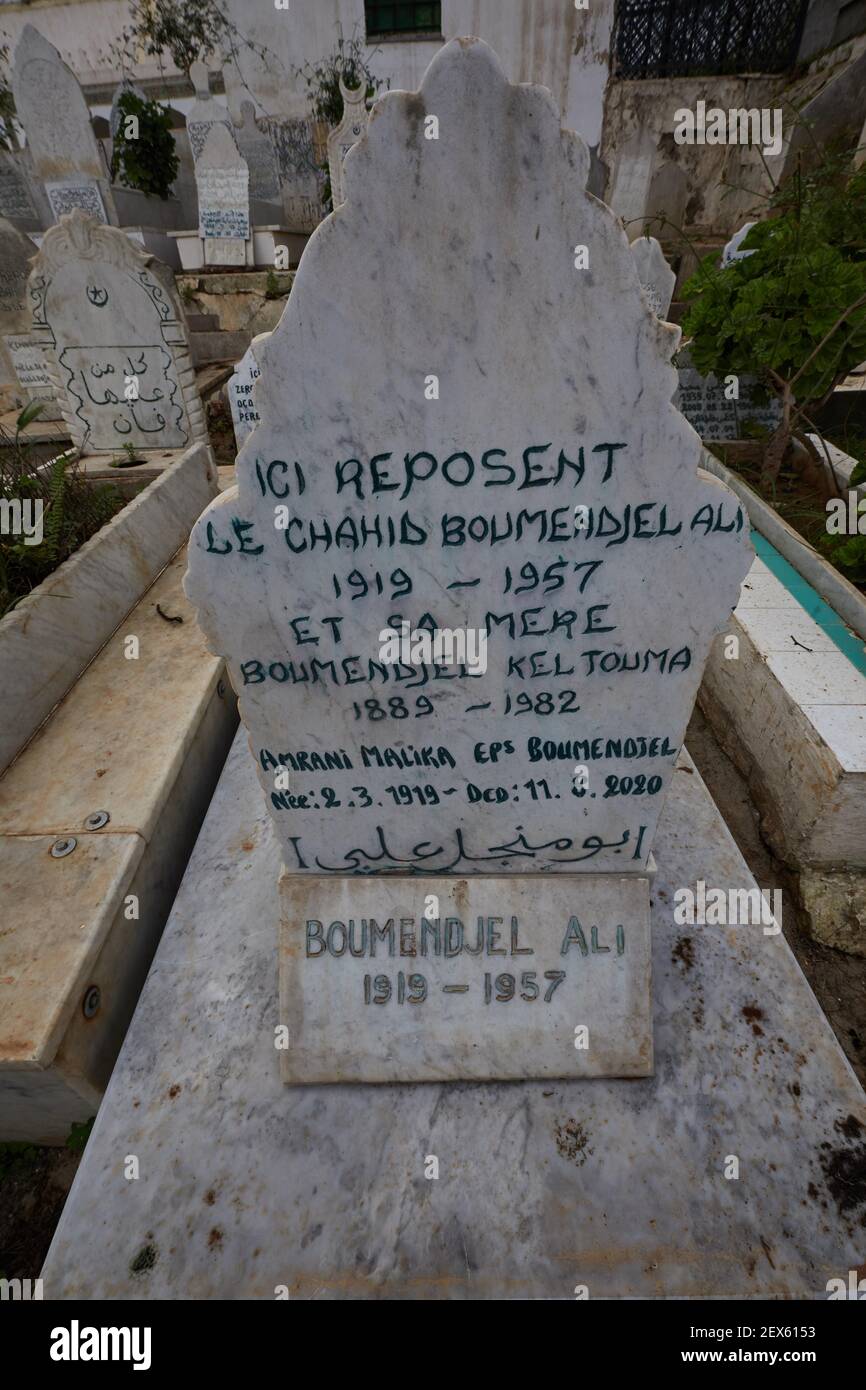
(218, 346)
(143, 741)
(202, 323)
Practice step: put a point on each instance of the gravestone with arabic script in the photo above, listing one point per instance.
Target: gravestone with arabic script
(656, 277)
(109, 317)
(24, 374)
(466, 428)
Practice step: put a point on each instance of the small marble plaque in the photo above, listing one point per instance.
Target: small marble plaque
(477, 978)
(31, 367)
(65, 197)
(225, 250)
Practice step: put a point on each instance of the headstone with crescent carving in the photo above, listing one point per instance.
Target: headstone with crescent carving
(109, 316)
(341, 139)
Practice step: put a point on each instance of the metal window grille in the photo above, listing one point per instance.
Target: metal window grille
(695, 38)
(402, 17)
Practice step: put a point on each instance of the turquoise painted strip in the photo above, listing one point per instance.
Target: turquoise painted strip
(819, 610)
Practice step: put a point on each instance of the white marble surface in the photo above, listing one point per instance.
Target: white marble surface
(240, 389)
(110, 318)
(456, 257)
(656, 277)
(246, 1184)
(482, 978)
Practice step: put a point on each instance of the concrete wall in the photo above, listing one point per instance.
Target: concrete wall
(830, 22)
(649, 174)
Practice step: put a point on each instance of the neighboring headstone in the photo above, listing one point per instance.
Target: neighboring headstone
(341, 139)
(656, 277)
(205, 112)
(300, 176)
(732, 250)
(23, 368)
(466, 587)
(223, 183)
(255, 145)
(240, 386)
(16, 202)
(111, 319)
(50, 105)
(716, 413)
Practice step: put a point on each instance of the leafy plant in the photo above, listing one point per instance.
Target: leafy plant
(347, 60)
(187, 30)
(79, 1134)
(128, 459)
(794, 312)
(848, 554)
(149, 161)
(71, 511)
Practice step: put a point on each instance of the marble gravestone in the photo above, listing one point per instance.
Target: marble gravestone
(300, 177)
(24, 374)
(655, 275)
(240, 388)
(51, 107)
(467, 428)
(345, 135)
(223, 183)
(108, 315)
(205, 111)
(716, 413)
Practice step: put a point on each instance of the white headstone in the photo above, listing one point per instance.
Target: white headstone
(205, 111)
(345, 135)
(732, 250)
(223, 182)
(76, 193)
(15, 197)
(240, 389)
(111, 319)
(656, 277)
(458, 511)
